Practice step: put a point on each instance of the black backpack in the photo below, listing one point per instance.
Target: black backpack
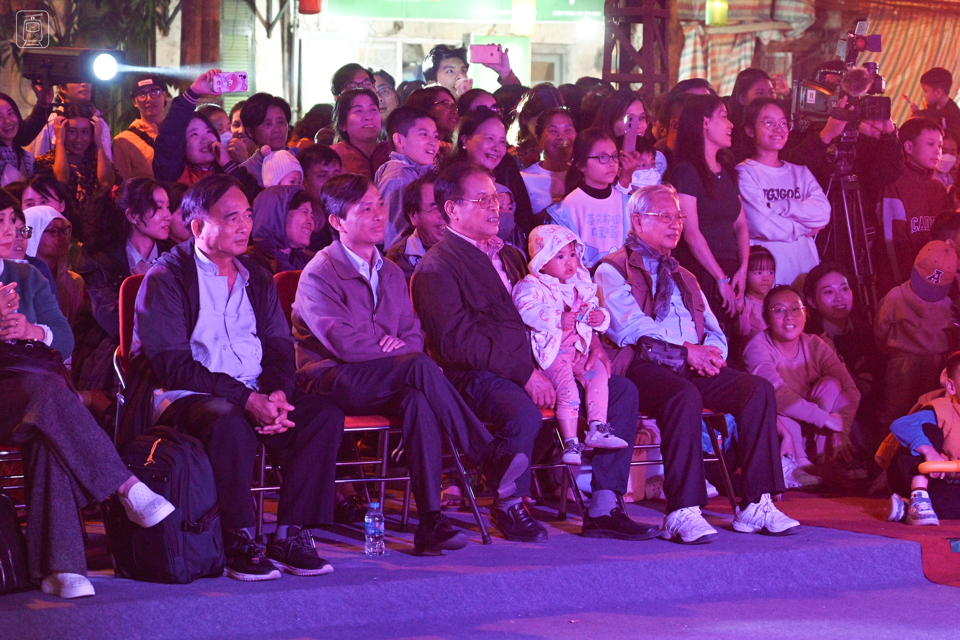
(14, 575)
(187, 544)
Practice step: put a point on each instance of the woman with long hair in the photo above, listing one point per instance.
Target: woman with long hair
(752, 83)
(611, 117)
(188, 146)
(716, 241)
(132, 233)
(16, 163)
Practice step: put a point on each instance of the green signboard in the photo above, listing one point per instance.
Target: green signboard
(458, 10)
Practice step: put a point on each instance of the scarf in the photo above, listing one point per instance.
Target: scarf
(667, 273)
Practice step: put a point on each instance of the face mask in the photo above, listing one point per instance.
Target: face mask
(645, 178)
(946, 163)
(507, 225)
(225, 137)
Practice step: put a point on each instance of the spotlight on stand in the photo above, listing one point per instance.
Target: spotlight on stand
(61, 65)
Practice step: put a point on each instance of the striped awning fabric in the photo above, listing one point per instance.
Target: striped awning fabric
(720, 57)
(913, 41)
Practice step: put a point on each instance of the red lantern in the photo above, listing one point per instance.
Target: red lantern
(310, 7)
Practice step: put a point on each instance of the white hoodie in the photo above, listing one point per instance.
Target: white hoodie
(783, 205)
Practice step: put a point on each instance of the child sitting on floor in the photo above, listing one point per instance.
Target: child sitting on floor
(915, 328)
(558, 302)
(931, 434)
(815, 393)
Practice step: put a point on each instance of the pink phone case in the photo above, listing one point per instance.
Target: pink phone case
(486, 54)
(235, 82)
(630, 136)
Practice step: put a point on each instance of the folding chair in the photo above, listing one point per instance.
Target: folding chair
(287, 282)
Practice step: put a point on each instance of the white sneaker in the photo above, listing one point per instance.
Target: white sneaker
(898, 509)
(765, 518)
(687, 526)
(794, 477)
(67, 585)
(711, 490)
(144, 507)
(599, 437)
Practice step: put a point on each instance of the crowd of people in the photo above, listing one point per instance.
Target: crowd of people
(469, 259)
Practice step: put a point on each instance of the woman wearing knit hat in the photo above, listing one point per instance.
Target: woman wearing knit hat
(280, 168)
(913, 328)
(282, 224)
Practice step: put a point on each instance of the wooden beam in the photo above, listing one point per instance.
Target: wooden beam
(750, 27)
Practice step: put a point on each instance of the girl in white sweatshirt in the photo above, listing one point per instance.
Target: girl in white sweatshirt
(785, 206)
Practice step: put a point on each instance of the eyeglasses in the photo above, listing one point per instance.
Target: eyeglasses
(65, 231)
(25, 232)
(154, 93)
(446, 104)
(505, 199)
(666, 217)
(487, 202)
(385, 91)
(604, 158)
(793, 310)
(773, 126)
(366, 84)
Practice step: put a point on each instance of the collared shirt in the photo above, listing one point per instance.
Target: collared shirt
(370, 275)
(139, 264)
(492, 249)
(628, 322)
(414, 249)
(224, 339)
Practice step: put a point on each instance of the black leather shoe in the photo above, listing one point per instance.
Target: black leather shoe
(501, 468)
(435, 535)
(619, 526)
(517, 524)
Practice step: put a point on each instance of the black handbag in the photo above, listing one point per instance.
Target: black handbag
(29, 356)
(660, 352)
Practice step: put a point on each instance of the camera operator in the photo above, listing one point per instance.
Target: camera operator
(878, 158)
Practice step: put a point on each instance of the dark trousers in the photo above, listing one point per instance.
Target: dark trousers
(505, 404)
(944, 494)
(411, 386)
(68, 461)
(307, 453)
(677, 402)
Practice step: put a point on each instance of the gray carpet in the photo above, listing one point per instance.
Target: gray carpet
(820, 583)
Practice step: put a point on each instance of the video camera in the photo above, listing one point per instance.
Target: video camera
(814, 101)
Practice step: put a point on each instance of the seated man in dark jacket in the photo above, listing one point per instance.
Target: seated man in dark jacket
(461, 291)
(211, 326)
(359, 343)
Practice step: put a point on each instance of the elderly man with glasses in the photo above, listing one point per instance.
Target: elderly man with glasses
(672, 348)
(461, 292)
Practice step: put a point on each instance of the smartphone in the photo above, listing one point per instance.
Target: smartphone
(630, 135)
(235, 82)
(486, 54)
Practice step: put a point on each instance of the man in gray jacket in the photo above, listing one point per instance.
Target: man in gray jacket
(359, 343)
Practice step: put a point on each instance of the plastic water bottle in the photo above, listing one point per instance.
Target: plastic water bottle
(373, 526)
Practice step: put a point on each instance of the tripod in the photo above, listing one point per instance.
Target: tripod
(847, 238)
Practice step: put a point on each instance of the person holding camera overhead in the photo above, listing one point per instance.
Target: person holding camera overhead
(878, 156)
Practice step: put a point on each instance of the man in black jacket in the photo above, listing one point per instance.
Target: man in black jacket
(461, 291)
(210, 323)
